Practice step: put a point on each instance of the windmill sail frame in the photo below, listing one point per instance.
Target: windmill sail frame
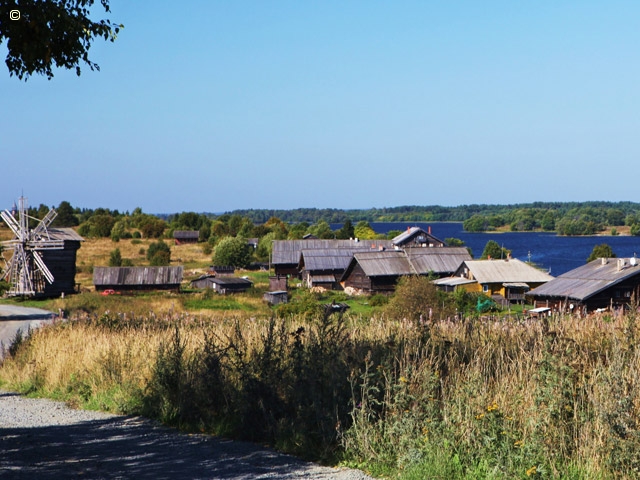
(26, 270)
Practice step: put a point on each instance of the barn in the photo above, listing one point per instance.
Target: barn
(186, 236)
(137, 278)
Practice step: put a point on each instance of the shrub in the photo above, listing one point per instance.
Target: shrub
(115, 258)
(159, 254)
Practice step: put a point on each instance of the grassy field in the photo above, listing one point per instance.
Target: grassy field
(481, 398)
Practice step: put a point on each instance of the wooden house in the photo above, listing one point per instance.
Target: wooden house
(508, 279)
(603, 283)
(379, 271)
(286, 254)
(223, 285)
(61, 263)
(182, 237)
(417, 237)
(137, 278)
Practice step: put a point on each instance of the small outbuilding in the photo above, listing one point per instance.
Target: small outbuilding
(223, 285)
(186, 236)
(276, 297)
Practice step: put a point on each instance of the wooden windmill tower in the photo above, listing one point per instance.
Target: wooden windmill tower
(26, 271)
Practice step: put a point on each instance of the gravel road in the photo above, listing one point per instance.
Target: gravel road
(44, 439)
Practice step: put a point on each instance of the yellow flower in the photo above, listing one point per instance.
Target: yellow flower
(532, 471)
(492, 407)
(425, 431)
(518, 443)
(479, 416)
(403, 380)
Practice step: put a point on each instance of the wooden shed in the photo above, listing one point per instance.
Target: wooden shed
(276, 297)
(186, 236)
(137, 278)
(223, 285)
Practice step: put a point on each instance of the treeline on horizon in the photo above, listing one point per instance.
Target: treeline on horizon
(566, 218)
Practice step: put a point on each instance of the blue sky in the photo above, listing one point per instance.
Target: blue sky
(217, 105)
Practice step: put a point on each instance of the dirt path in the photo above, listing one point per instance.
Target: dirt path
(46, 440)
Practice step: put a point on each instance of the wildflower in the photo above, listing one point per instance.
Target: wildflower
(480, 416)
(425, 431)
(403, 380)
(492, 407)
(532, 471)
(518, 443)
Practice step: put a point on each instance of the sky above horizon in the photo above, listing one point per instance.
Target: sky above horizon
(211, 106)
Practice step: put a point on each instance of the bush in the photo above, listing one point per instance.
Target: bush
(115, 258)
(416, 298)
(159, 254)
(232, 252)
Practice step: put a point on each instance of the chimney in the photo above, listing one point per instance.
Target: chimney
(408, 229)
(429, 229)
(604, 261)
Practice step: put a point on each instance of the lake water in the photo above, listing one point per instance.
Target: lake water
(548, 250)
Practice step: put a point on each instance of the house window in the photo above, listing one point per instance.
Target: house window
(485, 288)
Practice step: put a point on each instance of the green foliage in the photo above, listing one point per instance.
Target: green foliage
(477, 223)
(232, 251)
(391, 234)
(321, 230)
(64, 42)
(347, 231)
(364, 231)
(635, 229)
(602, 250)
(454, 242)
(494, 251)
(265, 246)
(151, 227)
(159, 254)
(415, 298)
(65, 216)
(115, 258)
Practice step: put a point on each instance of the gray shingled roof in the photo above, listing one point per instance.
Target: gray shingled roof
(289, 251)
(500, 271)
(585, 281)
(137, 275)
(186, 234)
(412, 232)
(64, 234)
(411, 261)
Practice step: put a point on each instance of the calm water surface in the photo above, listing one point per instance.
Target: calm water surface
(548, 250)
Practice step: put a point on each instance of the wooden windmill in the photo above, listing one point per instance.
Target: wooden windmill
(26, 272)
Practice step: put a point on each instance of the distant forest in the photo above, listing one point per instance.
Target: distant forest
(567, 218)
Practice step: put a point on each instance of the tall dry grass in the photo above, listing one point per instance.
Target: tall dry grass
(473, 399)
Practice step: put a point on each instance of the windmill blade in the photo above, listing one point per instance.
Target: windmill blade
(11, 222)
(44, 223)
(45, 244)
(42, 267)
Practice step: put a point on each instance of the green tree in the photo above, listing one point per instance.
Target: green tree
(50, 34)
(346, 232)
(159, 254)
(66, 216)
(364, 231)
(115, 258)
(548, 222)
(265, 246)
(321, 230)
(601, 251)
(232, 251)
(493, 250)
(454, 242)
